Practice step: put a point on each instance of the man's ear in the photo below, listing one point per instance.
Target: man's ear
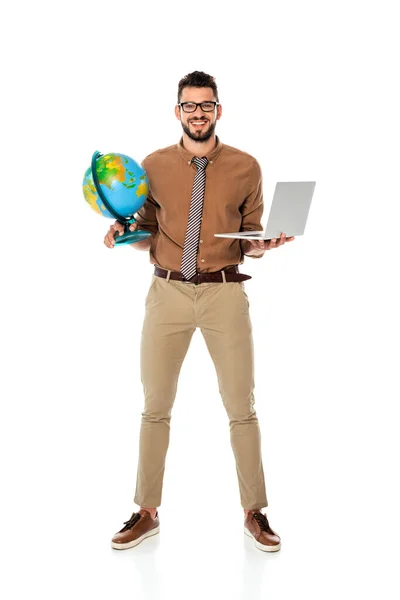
(178, 112)
(219, 112)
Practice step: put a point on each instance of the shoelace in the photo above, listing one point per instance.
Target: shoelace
(262, 521)
(130, 522)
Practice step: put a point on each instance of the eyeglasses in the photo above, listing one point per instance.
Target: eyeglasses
(190, 107)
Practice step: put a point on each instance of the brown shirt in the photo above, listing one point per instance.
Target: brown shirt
(233, 201)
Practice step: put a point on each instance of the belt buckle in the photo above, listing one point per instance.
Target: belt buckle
(195, 279)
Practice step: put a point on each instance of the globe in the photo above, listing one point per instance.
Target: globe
(123, 182)
(118, 190)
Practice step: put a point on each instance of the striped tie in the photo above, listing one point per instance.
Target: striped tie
(190, 247)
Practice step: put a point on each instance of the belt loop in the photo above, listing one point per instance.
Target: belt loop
(168, 275)
(223, 276)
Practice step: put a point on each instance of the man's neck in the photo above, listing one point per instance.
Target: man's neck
(199, 148)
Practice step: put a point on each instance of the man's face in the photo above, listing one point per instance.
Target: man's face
(198, 125)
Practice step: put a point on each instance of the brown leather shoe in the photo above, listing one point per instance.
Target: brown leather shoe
(140, 526)
(257, 527)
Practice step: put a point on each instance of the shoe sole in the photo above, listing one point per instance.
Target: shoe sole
(133, 543)
(262, 547)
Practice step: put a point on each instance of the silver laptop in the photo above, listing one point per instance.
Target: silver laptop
(288, 214)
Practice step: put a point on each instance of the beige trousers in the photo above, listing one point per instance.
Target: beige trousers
(173, 311)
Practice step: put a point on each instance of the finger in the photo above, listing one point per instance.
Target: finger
(120, 230)
(111, 237)
(117, 227)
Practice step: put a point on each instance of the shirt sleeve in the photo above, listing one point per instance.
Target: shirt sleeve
(146, 217)
(253, 207)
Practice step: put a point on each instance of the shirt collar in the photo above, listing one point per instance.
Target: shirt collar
(211, 156)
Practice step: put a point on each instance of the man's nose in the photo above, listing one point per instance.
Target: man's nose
(198, 112)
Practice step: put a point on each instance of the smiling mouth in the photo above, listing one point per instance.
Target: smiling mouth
(198, 123)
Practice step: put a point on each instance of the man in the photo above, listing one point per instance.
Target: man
(198, 187)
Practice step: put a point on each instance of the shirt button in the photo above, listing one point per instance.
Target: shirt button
(201, 241)
(211, 162)
(202, 260)
(189, 161)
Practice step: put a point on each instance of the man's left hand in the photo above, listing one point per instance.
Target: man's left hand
(258, 247)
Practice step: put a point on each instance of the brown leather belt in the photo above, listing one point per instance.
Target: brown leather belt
(231, 274)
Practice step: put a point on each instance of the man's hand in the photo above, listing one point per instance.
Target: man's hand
(258, 247)
(117, 226)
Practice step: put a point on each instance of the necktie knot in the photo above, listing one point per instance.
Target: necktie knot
(200, 163)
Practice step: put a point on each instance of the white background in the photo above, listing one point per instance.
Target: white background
(311, 90)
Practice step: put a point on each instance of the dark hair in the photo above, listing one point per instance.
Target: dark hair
(197, 79)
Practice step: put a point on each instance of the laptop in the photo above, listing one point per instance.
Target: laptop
(288, 214)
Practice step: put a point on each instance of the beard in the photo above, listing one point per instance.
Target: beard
(198, 136)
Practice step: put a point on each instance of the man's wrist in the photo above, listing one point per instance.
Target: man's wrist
(245, 246)
(249, 250)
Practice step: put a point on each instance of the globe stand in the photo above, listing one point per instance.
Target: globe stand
(128, 237)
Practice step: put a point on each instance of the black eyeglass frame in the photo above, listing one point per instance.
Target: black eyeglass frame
(182, 104)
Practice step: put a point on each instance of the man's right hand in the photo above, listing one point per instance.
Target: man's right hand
(116, 226)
